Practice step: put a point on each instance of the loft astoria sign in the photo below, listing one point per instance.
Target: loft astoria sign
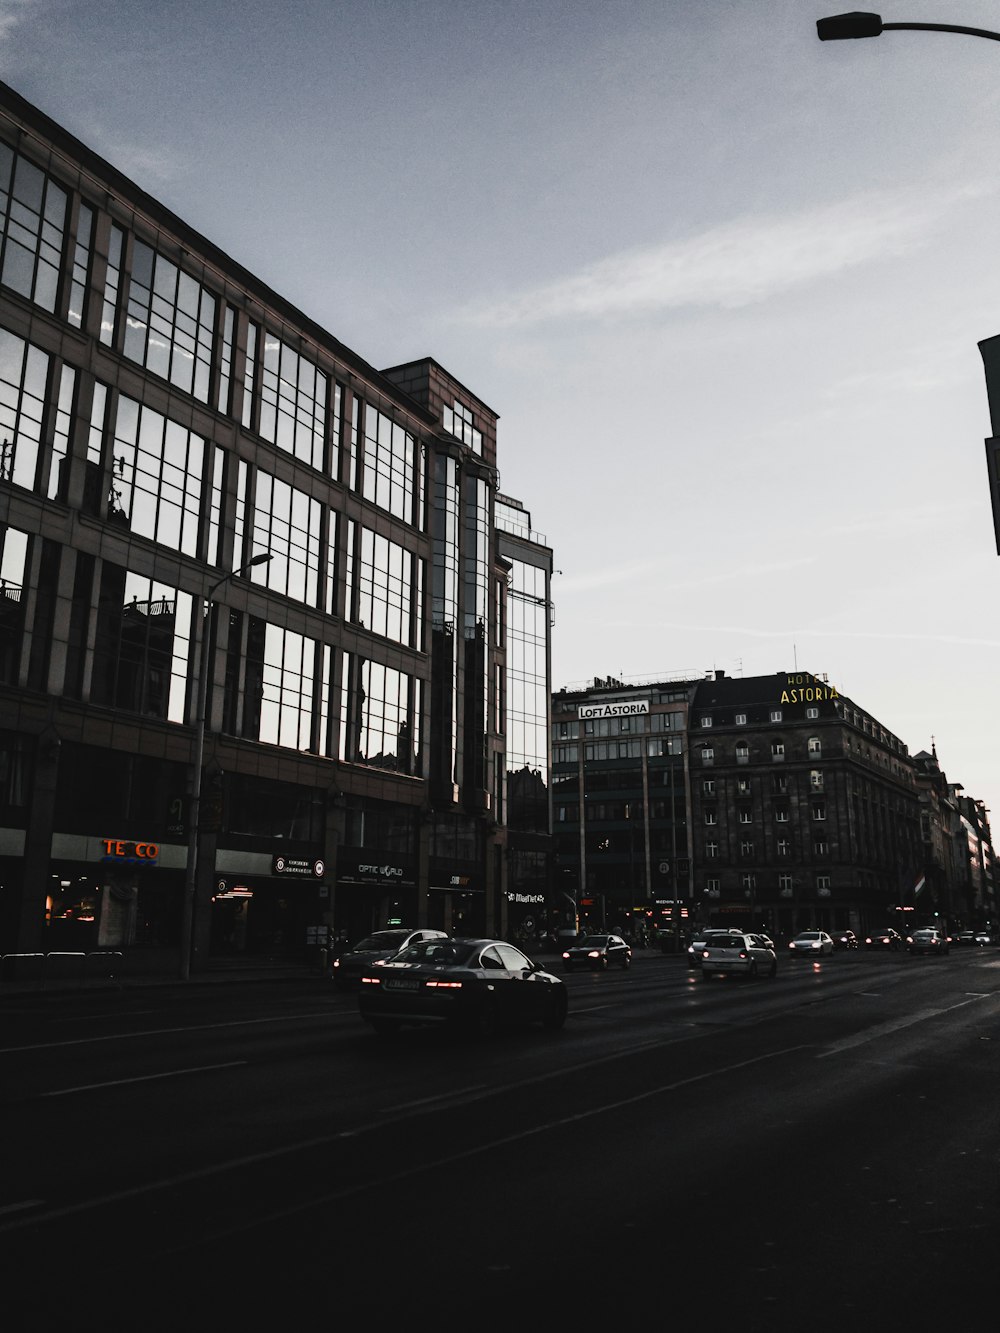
(806, 689)
(624, 708)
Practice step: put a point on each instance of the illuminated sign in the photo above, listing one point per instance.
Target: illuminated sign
(806, 689)
(117, 849)
(533, 898)
(298, 867)
(622, 709)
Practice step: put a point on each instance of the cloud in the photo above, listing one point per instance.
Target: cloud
(741, 262)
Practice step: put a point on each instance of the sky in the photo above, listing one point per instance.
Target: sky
(723, 283)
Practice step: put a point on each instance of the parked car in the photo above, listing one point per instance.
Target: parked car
(927, 940)
(844, 939)
(738, 954)
(983, 937)
(701, 937)
(812, 943)
(886, 938)
(598, 951)
(479, 985)
(375, 948)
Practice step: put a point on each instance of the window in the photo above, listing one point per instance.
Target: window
(816, 779)
(389, 477)
(705, 720)
(81, 267)
(820, 847)
(708, 787)
(709, 816)
(743, 786)
(779, 783)
(746, 815)
(814, 747)
(775, 714)
(823, 884)
(746, 848)
(23, 372)
(293, 396)
(713, 887)
(286, 522)
(742, 752)
(785, 885)
(711, 850)
(280, 675)
(819, 810)
(784, 847)
(32, 220)
(780, 815)
(748, 882)
(460, 422)
(156, 477)
(741, 719)
(812, 712)
(707, 754)
(169, 323)
(141, 646)
(777, 751)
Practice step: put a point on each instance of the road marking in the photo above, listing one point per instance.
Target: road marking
(145, 1078)
(887, 1029)
(169, 1032)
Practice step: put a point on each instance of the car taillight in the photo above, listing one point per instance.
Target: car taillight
(371, 981)
(744, 954)
(565, 955)
(438, 984)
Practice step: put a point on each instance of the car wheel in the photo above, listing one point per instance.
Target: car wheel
(555, 1011)
(774, 970)
(604, 964)
(752, 971)
(626, 963)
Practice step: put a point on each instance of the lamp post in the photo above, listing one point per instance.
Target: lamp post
(859, 24)
(194, 812)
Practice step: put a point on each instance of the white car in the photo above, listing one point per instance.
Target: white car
(812, 943)
(738, 955)
(702, 937)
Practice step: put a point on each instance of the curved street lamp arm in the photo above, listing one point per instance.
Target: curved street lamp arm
(944, 27)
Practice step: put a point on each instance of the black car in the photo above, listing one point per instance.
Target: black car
(379, 945)
(844, 939)
(597, 951)
(927, 940)
(887, 938)
(477, 985)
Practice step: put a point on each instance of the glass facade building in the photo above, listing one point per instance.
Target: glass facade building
(165, 417)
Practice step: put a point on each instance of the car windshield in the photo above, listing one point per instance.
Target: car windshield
(592, 942)
(726, 942)
(809, 935)
(438, 953)
(381, 941)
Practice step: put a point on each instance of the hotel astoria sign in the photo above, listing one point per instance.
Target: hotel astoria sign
(803, 688)
(623, 708)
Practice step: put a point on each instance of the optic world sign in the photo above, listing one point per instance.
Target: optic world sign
(623, 708)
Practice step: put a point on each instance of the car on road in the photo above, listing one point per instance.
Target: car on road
(598, 952)
(983, 937)
(737, 954)
(884, 938)
(478, 985)
(927, 941)
(702, 937)
(811, 943)
(964, 938)
(375, 948)
(844, 939)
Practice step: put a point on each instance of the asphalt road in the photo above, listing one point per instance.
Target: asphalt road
(819, 1151)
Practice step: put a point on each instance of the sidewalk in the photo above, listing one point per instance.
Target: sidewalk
(69, 973)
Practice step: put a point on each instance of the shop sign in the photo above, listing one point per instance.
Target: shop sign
(129, 853)
(623, 708)
(393, 874)
(529, 899)
(297, 867)
(804, 688)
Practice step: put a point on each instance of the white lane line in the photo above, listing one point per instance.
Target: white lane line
(887, 1029)
(442, 1100)
(21, 1207)
(145, 1078)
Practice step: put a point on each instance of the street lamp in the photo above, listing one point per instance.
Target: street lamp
(194, 812)
(860, 24)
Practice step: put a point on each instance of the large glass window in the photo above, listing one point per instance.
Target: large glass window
(386, 602)
(142, 646)
(293, 396)
(14, 546)
(156, 476)
(279, 686)
(287, 523)
(23, 373)
(170, 322)
(389, 477)
(56, 488)
(33, 218)
(112, 286)
(81, 267)
(380, 716)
